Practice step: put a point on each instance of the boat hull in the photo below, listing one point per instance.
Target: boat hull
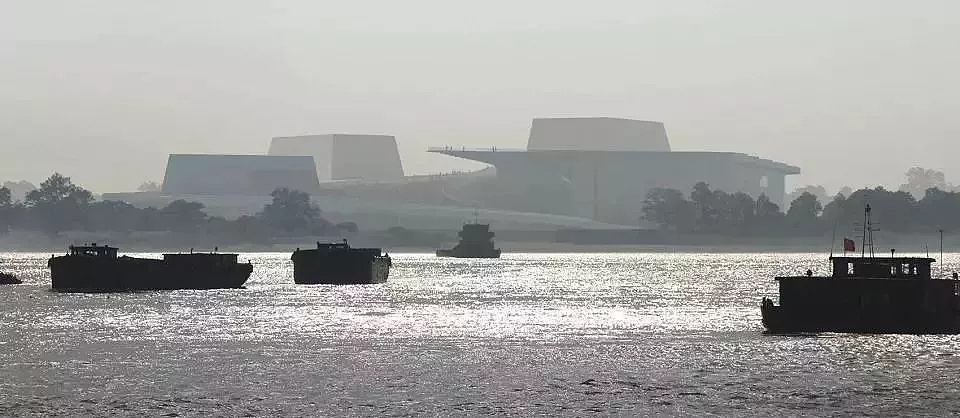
(341, 269)
(495, 253)
(780, 320)
(6, 278)
(95, 274)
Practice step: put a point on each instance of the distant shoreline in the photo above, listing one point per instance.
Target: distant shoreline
(516, 243)
(507, 247)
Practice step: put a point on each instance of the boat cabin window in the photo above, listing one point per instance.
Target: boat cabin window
(94, 251)
(880, 267)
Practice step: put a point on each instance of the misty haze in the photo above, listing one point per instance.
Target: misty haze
(318, 208)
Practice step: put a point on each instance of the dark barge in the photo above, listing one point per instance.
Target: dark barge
(7, 278)
(338, 263)
(98, 268)
(867, 294)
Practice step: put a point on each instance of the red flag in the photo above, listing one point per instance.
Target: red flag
(849, 245)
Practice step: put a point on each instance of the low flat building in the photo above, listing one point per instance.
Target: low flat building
(237, 175)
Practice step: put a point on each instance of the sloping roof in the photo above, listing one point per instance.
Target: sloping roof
(597, 134)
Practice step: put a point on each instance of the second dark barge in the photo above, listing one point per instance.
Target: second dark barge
(338, 263)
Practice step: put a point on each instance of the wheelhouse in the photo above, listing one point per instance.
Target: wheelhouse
(93, 250)
(882, 267)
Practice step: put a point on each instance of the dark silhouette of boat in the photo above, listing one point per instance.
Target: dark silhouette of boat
(338, 263)
(97, 268)
(7, 278)
(867, 294)
(476, 241)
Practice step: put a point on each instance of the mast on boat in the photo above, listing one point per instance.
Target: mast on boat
(867, 239)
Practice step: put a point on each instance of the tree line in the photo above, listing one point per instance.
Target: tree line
(58, 205)
(738, 214)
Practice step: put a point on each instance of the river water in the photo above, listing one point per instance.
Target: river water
(526, 335)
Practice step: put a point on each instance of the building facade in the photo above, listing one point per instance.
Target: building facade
(237, 175)
(609, 176)
(345, 156)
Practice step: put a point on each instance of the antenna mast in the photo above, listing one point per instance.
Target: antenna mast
(834, 239)
(867, 240)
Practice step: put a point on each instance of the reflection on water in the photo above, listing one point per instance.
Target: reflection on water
(527, 334)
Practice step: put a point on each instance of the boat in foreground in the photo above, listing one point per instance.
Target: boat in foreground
(338, 263)
(476, 241)
(7, 278)
(867, 294)
(96, 268)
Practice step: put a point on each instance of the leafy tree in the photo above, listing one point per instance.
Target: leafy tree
(819, 191)
(399, 232)
(5, 197)
(768, 220)
(938, 209)
(19, 189)
(742, 211)
(804, 213)
(834, 210)
(291, 211)
(920, 179)
(7, 208)
(704, 200)
(767, 209)
(669, 209)
(114, 216)
(242, 229)
(149, 186)
(59, 204)
(349, 227)
(181, 215)
(894, 211)
(57, 189)
(151, 220)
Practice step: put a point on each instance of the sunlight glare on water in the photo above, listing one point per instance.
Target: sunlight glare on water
(549, 334)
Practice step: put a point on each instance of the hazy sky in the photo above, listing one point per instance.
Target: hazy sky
(853, 92)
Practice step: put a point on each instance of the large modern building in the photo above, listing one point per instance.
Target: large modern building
(602, 168)
(574, 173)
(343, 156)
(237, 175)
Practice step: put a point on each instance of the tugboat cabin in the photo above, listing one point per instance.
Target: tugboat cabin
(476, 232)
(93, 250)
(882, 267)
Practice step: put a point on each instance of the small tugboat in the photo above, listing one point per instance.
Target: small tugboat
(7, 278)
(338, 263)
(867, 294)
(97, 268)
(476, 241)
